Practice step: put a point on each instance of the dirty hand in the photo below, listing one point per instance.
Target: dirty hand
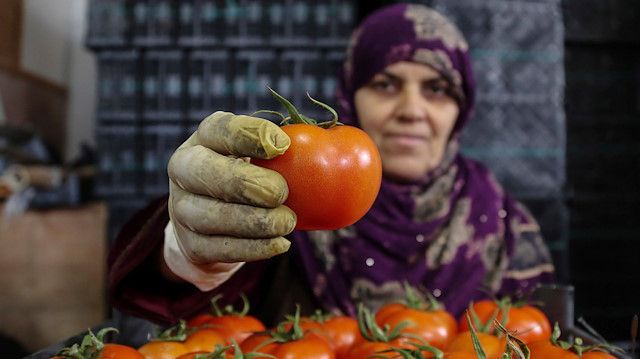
(224, 210)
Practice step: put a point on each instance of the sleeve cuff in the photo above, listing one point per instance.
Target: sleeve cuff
(204, 276)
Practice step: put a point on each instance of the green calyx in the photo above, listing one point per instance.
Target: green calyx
(296, 118)
(90, 348)
(229, 309)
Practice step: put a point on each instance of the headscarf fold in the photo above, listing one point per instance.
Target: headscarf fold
(452, 232)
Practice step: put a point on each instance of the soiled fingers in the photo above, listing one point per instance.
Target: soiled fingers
(203, 248)
(242, 136)
(206, 215)
(200, 170)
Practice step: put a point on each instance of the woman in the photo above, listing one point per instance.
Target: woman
(440, 221)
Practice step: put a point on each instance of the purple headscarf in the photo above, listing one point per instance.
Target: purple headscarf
(454, 232)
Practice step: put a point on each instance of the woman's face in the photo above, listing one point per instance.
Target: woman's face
(408, 112)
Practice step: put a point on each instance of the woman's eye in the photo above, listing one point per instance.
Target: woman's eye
(383, 85)
(437, 89)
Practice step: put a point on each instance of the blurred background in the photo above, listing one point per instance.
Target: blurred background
(96, 94)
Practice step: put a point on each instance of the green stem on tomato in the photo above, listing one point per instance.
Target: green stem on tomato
(298, 118)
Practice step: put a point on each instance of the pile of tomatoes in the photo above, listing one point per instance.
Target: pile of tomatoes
(411, 328)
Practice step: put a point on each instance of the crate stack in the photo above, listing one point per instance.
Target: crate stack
(164, 65)
(603, 112)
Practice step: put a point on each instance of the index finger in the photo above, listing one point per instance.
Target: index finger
(239, 135)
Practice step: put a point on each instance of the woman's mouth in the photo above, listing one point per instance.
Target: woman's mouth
(406, 140)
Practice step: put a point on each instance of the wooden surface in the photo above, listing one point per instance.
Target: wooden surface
(36, 104)
(10, 32)
(52, 267)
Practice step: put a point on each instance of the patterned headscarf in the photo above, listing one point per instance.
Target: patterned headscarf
(452, 232)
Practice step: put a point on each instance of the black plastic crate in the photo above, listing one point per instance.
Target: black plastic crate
(119, 85)
(200, 22)
(118, 161)
(159, 143)
(304, 69)
(109, 23)
(154, 22)
(333, 63)
(121, 209)
(209, 83)
(345, 22)
(163, 85)
(254, 71)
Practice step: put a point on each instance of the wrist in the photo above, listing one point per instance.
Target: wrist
(176, 266)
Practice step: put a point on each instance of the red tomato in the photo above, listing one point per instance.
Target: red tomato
(236, 327)
(365, 349)
(526, 322)
(91, 342)
(229, 323)
(309, 346)
(437, 327)
(117, 351)
(255, 342)
(192, 355)
(544, 349)
(333, 174)
(204, 339)
(163, 349)
(343, 331)
(387, 310)
(460, 355)
(597, 355)
(493, 346)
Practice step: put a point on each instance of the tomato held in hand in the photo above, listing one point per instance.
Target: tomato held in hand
(333, 173)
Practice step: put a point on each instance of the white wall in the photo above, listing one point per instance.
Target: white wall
(53, 47)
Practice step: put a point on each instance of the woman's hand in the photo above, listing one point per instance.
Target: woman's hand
(223, 209)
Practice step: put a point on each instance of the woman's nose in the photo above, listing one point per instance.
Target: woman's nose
(411, 105)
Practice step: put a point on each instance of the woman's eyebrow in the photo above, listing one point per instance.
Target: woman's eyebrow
(392, 76)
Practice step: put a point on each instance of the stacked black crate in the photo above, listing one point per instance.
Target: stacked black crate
(118, 128)
(209, 85)
(603, 108)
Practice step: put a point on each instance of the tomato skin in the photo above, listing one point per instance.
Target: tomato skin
(163, 349)
(492, 345)
(365, 349)
(544, 349)
(460, 355)
(199, 320)
(116, 351)
(436, 327)
(236, 327)
(192, 355)
(309, 346)
(334, 175)
(387, 310)
(204, 339)
(527, 323)
(343, 331)
(253, 341)
(597, 355)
